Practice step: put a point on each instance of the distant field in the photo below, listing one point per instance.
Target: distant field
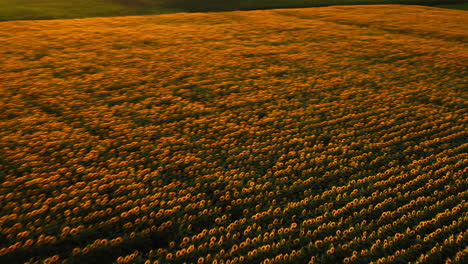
(57, 9)
(63, 9)
(320, 135)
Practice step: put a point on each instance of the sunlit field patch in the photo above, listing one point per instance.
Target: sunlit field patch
(322, 135)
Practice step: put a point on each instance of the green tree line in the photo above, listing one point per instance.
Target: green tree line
(225, 5)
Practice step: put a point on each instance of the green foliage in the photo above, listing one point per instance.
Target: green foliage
(462, 6)
(54, 9)
(224, 5)
(59, 9)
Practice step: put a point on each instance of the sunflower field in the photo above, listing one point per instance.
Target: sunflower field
(318, 135)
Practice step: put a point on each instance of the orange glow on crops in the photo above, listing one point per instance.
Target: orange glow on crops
(321, 135)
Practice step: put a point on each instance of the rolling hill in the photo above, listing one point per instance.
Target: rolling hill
(317, 135)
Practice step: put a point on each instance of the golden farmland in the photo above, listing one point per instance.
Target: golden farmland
(321, 135)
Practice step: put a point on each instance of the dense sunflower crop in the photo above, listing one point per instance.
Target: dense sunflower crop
(322, 135)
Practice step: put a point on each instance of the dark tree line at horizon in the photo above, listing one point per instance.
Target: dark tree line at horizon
(226, 5)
